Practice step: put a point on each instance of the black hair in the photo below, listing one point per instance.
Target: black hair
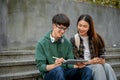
(61, 19)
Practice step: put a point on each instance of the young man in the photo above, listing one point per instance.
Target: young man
(55, 44)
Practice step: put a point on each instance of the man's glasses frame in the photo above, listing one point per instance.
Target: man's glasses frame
(61, 27)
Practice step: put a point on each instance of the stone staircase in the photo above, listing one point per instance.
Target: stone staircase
(20, 64)
(113, 58)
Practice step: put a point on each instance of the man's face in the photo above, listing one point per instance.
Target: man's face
(58, 30)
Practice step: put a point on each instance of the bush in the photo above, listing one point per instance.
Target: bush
(108, 3)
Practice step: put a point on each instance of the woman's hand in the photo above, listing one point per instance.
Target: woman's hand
(102, 61)
(96, 60)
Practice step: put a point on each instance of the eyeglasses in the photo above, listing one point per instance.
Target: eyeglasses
(61, 27)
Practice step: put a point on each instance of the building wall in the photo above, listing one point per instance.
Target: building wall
(24, 22)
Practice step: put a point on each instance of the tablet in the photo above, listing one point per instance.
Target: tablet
(73, 61)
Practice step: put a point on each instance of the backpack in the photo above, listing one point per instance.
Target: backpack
(77, 40)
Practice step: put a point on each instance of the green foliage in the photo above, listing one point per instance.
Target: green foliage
(109, 3)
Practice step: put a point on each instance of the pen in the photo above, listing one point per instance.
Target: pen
(55, 57)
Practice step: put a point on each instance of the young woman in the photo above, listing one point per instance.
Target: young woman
(88, 44)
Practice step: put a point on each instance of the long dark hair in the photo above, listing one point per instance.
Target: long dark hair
(97, 40)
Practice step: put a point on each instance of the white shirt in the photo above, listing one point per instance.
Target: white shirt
(52, 38)
(87, 55)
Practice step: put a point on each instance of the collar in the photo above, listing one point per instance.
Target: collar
(52, 38)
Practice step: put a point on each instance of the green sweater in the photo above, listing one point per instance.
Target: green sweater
(45, 50)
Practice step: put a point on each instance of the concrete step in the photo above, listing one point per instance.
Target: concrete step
(18, 66)
(116, 66)
(16, 62)
(19, 70)
(112, 58)
(27, 75)
(16, 55)
(15, 52)
(113, 51)
(118, 75)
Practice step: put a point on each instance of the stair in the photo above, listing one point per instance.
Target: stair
(18, 65)
(113, 58)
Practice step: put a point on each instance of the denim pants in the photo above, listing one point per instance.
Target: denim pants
(59, 73)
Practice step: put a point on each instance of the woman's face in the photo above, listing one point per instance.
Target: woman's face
(83, 27)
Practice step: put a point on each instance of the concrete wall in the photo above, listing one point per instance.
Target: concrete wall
(3, 25)
(23, 22)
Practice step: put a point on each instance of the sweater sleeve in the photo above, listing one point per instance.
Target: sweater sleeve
(40, 58)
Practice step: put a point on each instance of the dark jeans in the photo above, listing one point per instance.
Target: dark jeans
(69, 74)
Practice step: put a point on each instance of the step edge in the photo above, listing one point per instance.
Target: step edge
(17, 52)
(16, 63)
(20, 75)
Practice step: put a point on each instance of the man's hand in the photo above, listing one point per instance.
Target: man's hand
(59, 61)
